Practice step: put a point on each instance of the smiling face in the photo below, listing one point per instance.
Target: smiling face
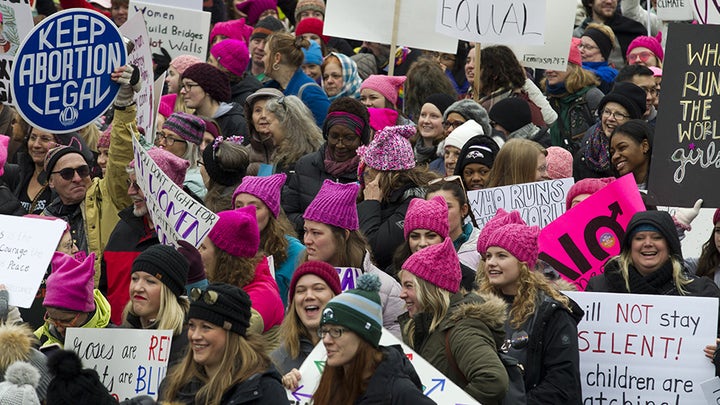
(319, 242)
(555, 77)
(450, 157)
(340, 351)
(342, 143)
(604, 9)
(627, 155)
(207, 342)
(408, 293)
(642, 56)
(612, 116)
(136, 196)
(39, 143)
(371, 98)
(431, 123)
(145, 295)
(648, 251)
(470, 66)
(311, 295)
(502, 270)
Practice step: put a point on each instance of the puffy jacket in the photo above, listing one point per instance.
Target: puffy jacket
(393, 306)
(467, 252)
(265, 297)
(100, 319)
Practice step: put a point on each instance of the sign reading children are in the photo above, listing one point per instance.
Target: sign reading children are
(61, 76)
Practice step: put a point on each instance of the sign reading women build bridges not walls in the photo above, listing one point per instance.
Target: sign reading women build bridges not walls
(61, 76)
(686, 147)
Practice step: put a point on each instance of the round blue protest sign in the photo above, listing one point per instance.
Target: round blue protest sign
(61, 75)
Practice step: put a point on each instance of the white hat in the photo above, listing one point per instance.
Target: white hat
(459, 137)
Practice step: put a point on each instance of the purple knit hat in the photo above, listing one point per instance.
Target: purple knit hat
(586, 186)
(388, 86)
(559, 163)
(174, 167)
(182, 62)
(427, 214)
(236, 232)
(267, 189)
(70, 285)
(211, 79)
(500, 219)
(335, 205)
(390, 149)
(189, 127)
(232, 54)
(651, 43)
(325, 271)
(234, 29)
(254, 8)
(437, 264)
(519, 240)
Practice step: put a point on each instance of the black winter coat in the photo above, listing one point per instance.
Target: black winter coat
(242, 89)
(232, 122)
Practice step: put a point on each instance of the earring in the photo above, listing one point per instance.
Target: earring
(276, 66)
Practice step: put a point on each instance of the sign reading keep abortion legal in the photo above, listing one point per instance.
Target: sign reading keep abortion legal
(61, 76)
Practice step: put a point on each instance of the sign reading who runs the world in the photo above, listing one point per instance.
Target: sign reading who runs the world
(61, 76)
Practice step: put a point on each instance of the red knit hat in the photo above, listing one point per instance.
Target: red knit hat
(335, 205)
(325, 271)
(427, 214)
(70, 285)
(232, 54)
(437, 264)
(519, 240)
(388, 86)
(501, 218)
(586, 186)
(236, 232)
(267, 189)
(311, 26)
(575, 58)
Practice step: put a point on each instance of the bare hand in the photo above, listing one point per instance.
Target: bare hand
(372, 190)
(710, 350)
(291, 380)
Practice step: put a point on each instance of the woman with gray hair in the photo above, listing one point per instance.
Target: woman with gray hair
(293, 131)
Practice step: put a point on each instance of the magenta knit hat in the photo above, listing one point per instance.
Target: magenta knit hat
(188, 126)
(325, 271)
(232, 54)
(234, 29)
(388, 86)
(519, 240)
(70, 285)
(211, 79)
(335, 205)
(427, 214)
(167, 104)
(254, 8)
(182, 62)
(267, 189)
(651, 43)
(501, 218)
(311, 26)
(390, 149)
(174, 167)
(716, 216)
(236, 232)
(4, 142)
(381, 118)
(559, 163)
(586, 186)
(437, 264)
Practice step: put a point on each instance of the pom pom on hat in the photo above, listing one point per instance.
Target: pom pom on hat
(174, 167)
(70, 285)
(390, 149)
(359, 309)
(519, 240)
(74, 384)
(236, 232)
(559, 163)
(500, 219)
(335, 205)
(325, 271)
(232, 54)
(388, 86)
(427, 214)
(267, 189)
(187, 126)
(211, 79)
(21, 380)
(438, 265)
(586, 186)
(182, 62)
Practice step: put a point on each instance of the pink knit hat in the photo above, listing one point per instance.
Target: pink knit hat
(559, 163)
(4, 142)
(335, 205)
(70, 285)
(254, 9)
(104, 140)
(232, 54)
(380, 118)
(519, 240)
(182, 62)
(390, 149)
(173, 166)
(575, 58)
(388, 86)
(716, 216)
(501, 218)
(235, 29)
(586, 186)
(236, 232)
(427, 214)
(437, 264)
(267, 189)
(651, 43)
(167, 104)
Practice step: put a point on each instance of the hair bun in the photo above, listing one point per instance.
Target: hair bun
(65, 364)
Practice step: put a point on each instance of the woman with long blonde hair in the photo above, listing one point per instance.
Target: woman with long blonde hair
(519, 161)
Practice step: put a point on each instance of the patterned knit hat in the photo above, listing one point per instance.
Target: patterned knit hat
(335, 205)
(586, 186)
(427, 214)
(70, 285)
(267, 189)
(559, 163)
(460, 135)
(325, 271)
(236, 232)
(390, 149)
(500, 219)
(232, 54)
(437, 264)
(165, 264)
(359, 310)
(54, 154)
(21, 379)
(311, 26)
(182, 62)
(104, 140)
(265, 27)
(651, 43)
(223, 305)
(254, 9)
(4, 142)
(519, 240)
(211, 79)
(187, 126)
(470, 110)
(234, 29)
(480, 149)
(305, 5)
(174, 167)
(388, 86)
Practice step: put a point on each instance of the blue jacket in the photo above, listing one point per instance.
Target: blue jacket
(312, 95)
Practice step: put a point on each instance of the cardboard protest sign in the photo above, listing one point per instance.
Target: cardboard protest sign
(368, 24)
(498, 21)
(675, 10)
(436, 386)
(539, 203)
(578, 243)
(179, 31)
(15, 23)
(61, 75)
(706, 11)
(130, 362)
(685, 152)
(134, 29)
(26, 248)
(644, 349)
(176, 215)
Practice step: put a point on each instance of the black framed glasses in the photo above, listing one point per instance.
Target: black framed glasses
(68, 173)
(335, 332)
(452, 124)
(209, 297)
(161, 137)
(189, 86)
(63, 323)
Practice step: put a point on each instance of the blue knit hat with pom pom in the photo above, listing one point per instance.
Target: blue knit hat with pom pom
(359, 309)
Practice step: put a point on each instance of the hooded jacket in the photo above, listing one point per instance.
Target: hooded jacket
(231, 120)
(242, 89)
(394, 381)
(99, 319)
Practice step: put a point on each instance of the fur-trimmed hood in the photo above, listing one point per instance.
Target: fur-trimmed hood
(486, 308)
(16, 341)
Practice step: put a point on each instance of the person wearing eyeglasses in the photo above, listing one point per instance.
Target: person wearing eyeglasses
(646, 51)
(358, 369)
(226, 362)
(181, 134)
(595, 46)
(644, 78)
(625, 102)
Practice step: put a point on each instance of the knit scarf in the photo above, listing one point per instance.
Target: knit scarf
(556, 89)
(654, 283)
(464, 236)
(603, 70)
(597, 153)
(424, 154)
(335, 168)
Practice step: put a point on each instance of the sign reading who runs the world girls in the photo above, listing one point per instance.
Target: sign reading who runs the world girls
(61, 76)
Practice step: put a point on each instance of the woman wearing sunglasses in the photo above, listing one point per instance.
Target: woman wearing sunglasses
(358, 370)
(646, 51)
(157, 288)
(226, 363)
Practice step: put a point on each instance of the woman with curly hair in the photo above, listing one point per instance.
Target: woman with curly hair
(542, 323)
(293, 131)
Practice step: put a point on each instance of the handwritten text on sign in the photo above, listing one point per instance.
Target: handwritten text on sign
(134, 28)
(641, 348)
(130, 362)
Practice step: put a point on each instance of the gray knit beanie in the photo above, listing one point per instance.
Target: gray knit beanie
(470, 110)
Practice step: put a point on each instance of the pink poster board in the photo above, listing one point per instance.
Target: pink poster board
(578, 243)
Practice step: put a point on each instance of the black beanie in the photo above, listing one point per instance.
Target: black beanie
(480, 149)
(660, 220)
(603, 41)
(265, 27)
(440, 100)
(165, 264)
(211, 79)
(223, 305)
(511, 113)
(628, 95)
(72, 384)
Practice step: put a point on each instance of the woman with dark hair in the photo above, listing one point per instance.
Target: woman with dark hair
(345, 129)
(475, 160)
(224, 164)
(708, 265)
(454, 67)
(424, 79)
(431, 131)
(630, 150)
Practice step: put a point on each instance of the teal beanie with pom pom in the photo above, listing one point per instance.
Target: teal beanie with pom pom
(359, 309)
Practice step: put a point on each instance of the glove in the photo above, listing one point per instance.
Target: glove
(161, 62)
(685, 216)
(129, 85)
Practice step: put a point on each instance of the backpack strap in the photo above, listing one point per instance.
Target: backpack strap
(302, 88)
(451, 358)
